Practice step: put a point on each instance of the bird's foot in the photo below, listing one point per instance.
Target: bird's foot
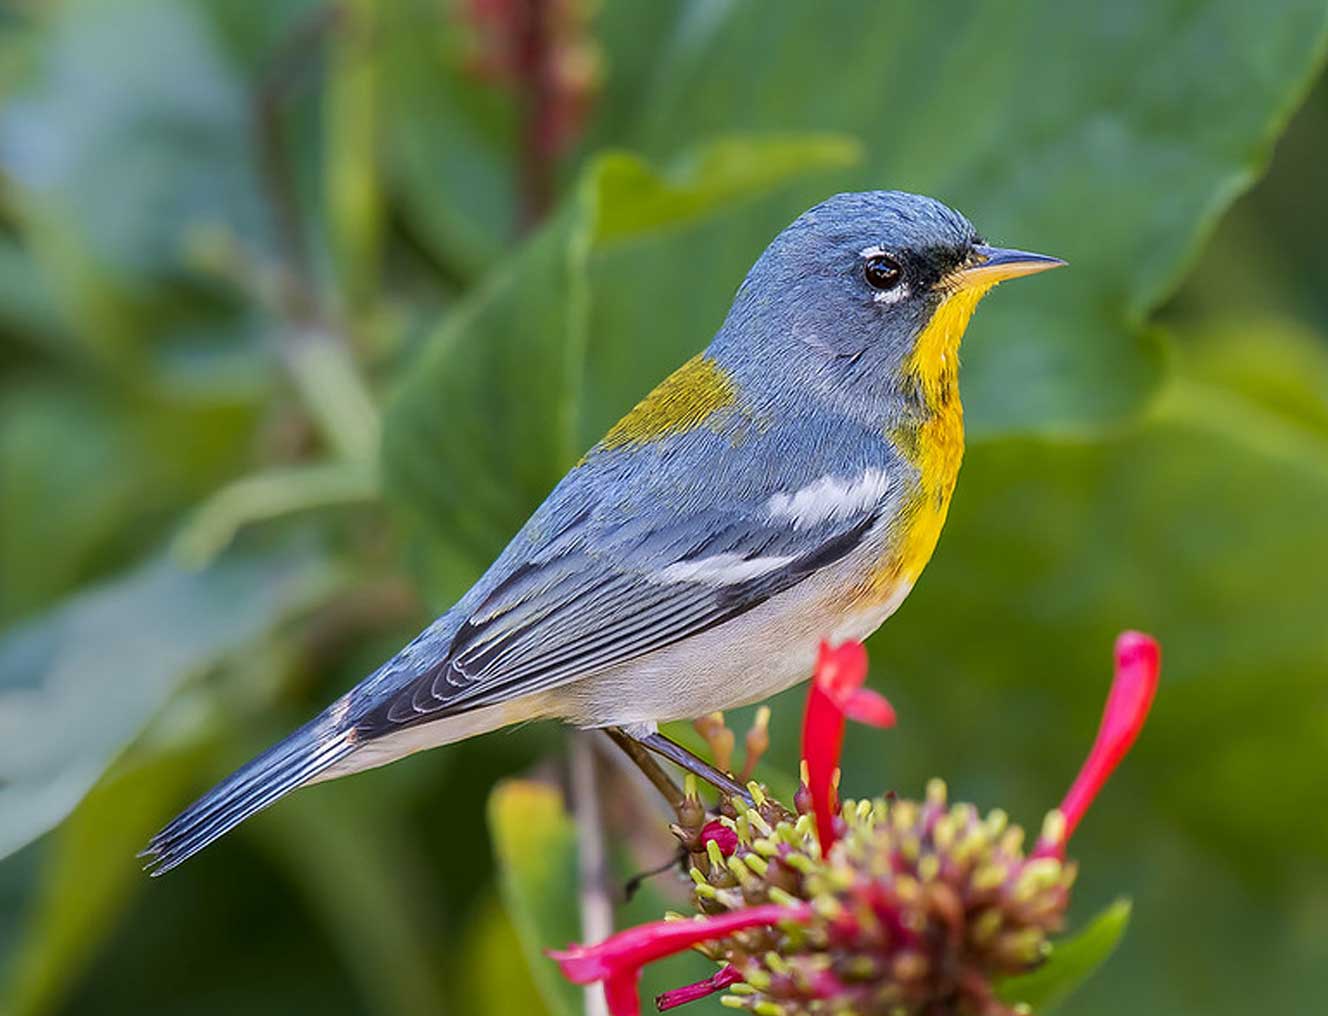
(699, 767)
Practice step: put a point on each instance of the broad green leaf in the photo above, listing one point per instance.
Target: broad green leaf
(535, 842)
(353, 117)
(634, 199)
(481, 425)
(450, 142)
(72, 479)
(1072, 961)
(1278, 365)
(1057, 129)
(115, 158)
(78, 683)
(491, 415)
(1259, 262)
(91, 874)
(91, 473)
(490, 980)
(267, 495)
(27, 311)
(354, 866)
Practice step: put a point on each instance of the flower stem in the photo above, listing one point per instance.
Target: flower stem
(596, 906)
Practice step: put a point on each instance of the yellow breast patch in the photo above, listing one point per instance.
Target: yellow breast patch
(683, 400)
(935, 447)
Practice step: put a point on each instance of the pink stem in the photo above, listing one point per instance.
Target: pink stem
(691, 992)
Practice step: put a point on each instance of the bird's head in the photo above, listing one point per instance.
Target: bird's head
(868, 287)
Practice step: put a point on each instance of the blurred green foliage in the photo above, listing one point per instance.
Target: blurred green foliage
(238, 242)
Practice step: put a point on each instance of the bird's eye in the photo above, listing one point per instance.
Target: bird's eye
(882, 272)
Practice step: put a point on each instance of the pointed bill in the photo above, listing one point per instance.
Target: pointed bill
(996, 264)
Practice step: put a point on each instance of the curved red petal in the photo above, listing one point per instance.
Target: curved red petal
(822, 741)
(632, 949)
(841, 669)
(869, 707)
(836, 694)
(623, 995)
(1138, 665)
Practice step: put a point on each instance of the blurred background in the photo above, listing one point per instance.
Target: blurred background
(303, 307)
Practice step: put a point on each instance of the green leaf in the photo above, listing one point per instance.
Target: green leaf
(1055, 129)
(353, 122)
(77, 684)
(1072, 961)
(1279, 366)
(491, 415)
(355, 869)
(267, 495)
(535, 842)
(480, 428)
(116, 159)
(490, 981)
(91, 874)
(27, 311)
(72, 479)
(449, 145)
(89, 475)
(634, 199)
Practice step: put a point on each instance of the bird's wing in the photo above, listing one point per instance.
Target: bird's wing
(592, 597)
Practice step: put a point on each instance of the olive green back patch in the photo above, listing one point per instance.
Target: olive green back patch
(683, 400)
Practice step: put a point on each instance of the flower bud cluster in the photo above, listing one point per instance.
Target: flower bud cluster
(917, 909)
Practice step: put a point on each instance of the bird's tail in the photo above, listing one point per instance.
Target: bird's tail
(299, 758)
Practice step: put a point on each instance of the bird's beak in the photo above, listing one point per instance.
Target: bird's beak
(991, 265)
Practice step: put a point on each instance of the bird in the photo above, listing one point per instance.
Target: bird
(786, 485)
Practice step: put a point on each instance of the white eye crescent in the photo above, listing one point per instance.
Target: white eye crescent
(900, 292)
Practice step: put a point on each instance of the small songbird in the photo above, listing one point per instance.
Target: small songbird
(785, 486)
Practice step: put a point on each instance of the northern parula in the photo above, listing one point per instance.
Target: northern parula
(785, 486)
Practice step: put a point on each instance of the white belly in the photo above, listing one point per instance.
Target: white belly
(754, 656)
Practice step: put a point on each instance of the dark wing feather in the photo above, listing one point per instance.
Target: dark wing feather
(562, 615)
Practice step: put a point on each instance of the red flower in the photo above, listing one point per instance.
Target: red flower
(836, 694)
(617, 961)
(1138, 662)
(988, 910)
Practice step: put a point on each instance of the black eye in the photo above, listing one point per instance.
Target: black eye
(882, 271)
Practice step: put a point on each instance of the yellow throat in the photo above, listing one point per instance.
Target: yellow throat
(935, 446)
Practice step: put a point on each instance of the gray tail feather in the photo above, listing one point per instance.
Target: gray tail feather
(247, 791)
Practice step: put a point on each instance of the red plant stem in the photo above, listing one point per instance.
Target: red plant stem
(534, 53)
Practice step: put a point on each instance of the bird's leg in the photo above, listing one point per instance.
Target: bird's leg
(699, 767)
(641, 758)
